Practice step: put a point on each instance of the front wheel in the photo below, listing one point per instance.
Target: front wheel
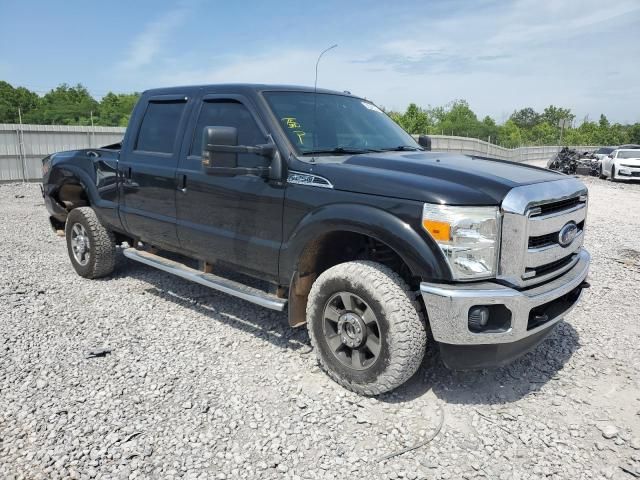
(602, 175)
(613, 174)
(365, 328)
(91, 247)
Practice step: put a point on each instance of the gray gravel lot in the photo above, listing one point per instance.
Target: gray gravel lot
(200, 385)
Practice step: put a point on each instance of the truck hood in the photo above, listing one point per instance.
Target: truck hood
(432, 177)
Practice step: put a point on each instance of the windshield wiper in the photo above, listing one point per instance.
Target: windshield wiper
(401, 148)
(341, 151)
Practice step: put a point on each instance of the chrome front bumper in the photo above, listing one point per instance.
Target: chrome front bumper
(448, 306)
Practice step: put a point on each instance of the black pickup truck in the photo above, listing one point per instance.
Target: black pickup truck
(359, 231)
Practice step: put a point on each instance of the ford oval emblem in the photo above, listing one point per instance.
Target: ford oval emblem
(567, 234)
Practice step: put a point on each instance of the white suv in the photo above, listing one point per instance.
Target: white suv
(621, 164)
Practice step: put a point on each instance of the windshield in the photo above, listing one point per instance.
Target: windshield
(628, 154)
(344, 125)
(604, 150)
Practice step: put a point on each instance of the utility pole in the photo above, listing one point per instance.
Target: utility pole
(22, 154)
(93, 130)
(562, 123)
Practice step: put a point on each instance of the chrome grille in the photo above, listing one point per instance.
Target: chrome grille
(549, 238)
(533, 216)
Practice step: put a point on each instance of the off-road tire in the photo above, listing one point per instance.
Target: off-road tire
(403, 332)
(102, 244)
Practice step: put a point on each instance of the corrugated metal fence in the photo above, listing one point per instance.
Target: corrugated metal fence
(22, 147)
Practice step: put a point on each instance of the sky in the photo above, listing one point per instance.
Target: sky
(498, 55)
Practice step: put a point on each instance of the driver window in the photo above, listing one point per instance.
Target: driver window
(229, 113)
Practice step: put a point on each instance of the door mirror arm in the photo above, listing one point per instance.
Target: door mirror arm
(220, 153)
(235, 171)
(265, 150)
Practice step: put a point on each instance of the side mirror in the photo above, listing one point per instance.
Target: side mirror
(220, 151)
(425, 142)
(213, 137)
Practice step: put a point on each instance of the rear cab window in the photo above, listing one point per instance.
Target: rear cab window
(159, 128)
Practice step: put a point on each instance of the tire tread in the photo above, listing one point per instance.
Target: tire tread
(103, 240)
(407, 331)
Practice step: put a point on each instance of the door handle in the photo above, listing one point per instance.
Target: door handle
(128, 184)
(183, 184)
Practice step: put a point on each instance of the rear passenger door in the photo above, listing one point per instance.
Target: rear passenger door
(236, 220)
(148, 168)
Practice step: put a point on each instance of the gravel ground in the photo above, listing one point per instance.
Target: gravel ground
(200, 385)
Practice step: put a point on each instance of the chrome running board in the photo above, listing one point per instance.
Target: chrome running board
(250, 294)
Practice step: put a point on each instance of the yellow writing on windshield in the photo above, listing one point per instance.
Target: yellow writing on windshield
(291, 122)
(300, 135)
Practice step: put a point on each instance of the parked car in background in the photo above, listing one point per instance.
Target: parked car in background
(621, 164)
(602, 152)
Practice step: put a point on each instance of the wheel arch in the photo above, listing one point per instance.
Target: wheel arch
(339, 233)
(71, 187)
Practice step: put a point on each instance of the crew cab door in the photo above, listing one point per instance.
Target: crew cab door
(234, 220)
(147, 169)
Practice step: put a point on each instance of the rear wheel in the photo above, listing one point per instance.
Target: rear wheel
(365, 328)
(91, 247)
(602, 175)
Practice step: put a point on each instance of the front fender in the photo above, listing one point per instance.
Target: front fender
(420, 253)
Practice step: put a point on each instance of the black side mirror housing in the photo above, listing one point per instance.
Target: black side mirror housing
(213, 137)
(425, 142)
(220, 151)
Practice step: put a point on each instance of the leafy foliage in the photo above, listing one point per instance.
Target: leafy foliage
(74, 105)
(524, 126)
(64, 105)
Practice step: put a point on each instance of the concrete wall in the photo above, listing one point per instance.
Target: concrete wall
(473, 146)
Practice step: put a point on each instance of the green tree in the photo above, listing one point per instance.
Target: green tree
(510, 135)
(552, 115)
(634, 133)
(525, 118)
(543, 134)
(458, 119)
(414, 120)
(115, 109)
(65, 105)
(12, 99)
(488, 129)
(604, 122)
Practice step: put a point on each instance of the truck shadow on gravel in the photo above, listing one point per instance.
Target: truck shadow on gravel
(525, 376)
(262, 323)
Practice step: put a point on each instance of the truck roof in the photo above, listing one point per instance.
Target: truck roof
(240, 88)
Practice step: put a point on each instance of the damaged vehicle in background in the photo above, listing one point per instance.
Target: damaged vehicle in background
(572, 162)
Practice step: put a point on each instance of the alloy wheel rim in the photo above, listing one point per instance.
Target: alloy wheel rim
(351, 330)
(80, 245)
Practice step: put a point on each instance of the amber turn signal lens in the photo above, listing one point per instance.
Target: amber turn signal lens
(438, 230)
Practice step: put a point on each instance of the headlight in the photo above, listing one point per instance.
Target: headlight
(468, 237)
